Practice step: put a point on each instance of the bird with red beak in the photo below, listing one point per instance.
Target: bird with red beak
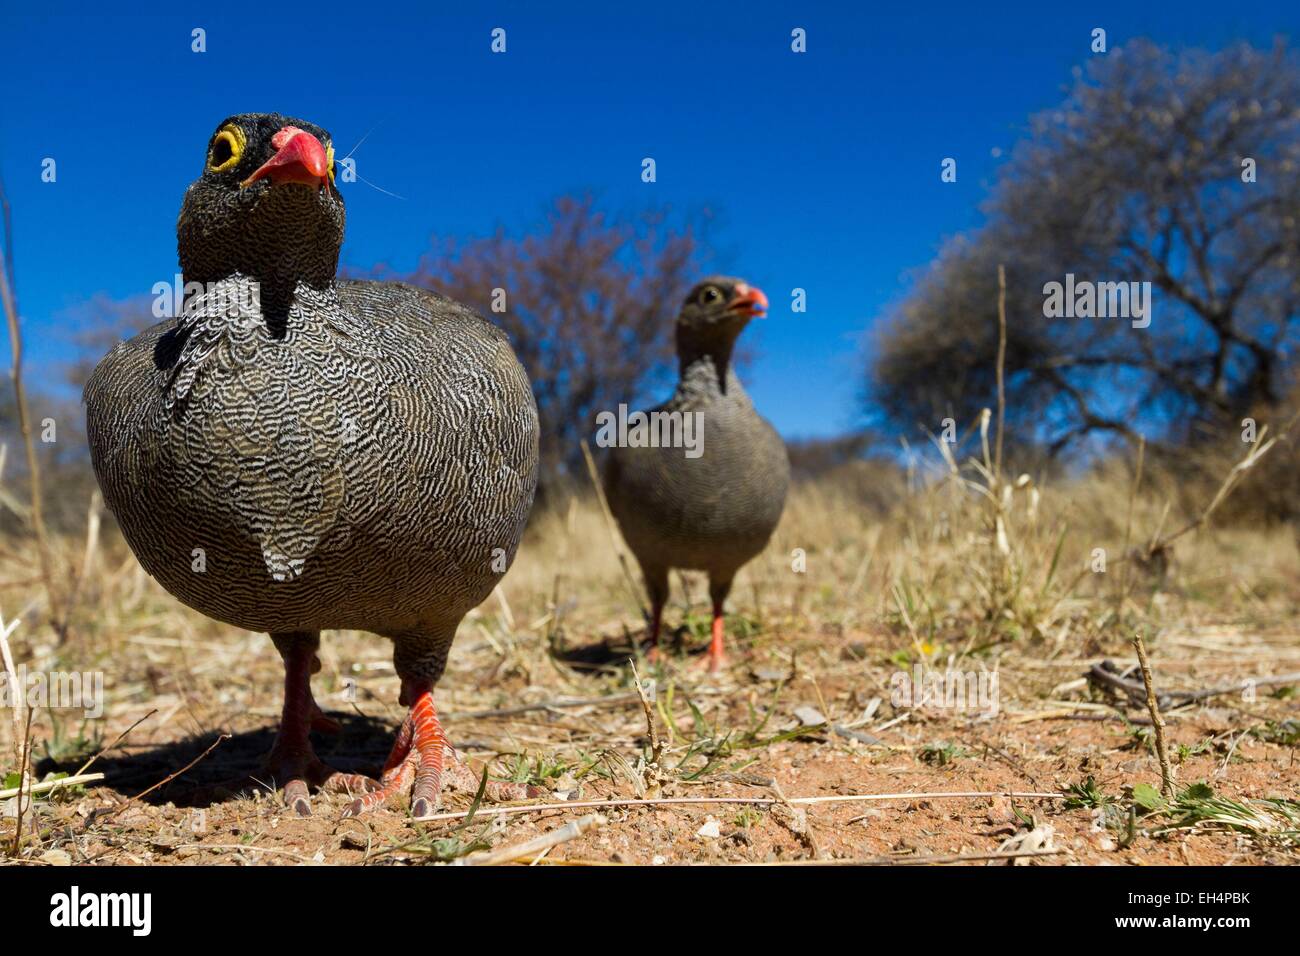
(342, 454)
(716, 511)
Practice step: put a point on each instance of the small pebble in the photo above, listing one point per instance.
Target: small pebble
(809, 716)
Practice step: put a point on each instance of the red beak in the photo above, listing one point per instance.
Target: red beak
(748, 300)
(299, 158)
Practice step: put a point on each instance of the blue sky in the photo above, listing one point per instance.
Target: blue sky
(823, 167)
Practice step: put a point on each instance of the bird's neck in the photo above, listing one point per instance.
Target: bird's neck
(277, 294)
(704, 358)
(281, 260)
(280, 292)
(708, 374)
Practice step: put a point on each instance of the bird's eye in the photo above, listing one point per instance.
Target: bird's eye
(227, 147)
(329, 160)
(710, 294)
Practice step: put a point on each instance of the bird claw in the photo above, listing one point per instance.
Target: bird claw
(458, 775)
(711, 663)
(303, 771)
(455, 775)
(417, 761)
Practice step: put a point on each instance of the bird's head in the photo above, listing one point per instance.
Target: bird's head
(714, 313)
(266, 204)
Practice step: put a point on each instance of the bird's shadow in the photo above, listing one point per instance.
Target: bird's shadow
(233, 768)
(614, 653)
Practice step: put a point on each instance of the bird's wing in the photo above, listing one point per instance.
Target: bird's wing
(119, 414)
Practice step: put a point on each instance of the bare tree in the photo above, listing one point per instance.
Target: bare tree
(1178, 169)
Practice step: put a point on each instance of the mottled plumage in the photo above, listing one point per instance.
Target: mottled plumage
(362, 472)
(338, 454)
(715, 512)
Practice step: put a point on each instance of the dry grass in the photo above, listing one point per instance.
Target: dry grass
(969, 571)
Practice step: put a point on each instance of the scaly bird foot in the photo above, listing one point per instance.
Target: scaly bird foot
(424, 763)
(299, 771)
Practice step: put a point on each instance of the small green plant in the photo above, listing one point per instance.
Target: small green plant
(458, 842)
(1148, 798)
(536, 770)
(1183, 751)
(747, 817)
(1285, 732)
(1087, 795)
(1272, 820)
(13, 779)
(592, 764)
(1140, 738)
(62, 747)
(912, 613)
(941, 754)
(1113, 815)
(716, 746)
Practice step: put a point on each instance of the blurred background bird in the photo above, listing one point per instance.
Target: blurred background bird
(716, 511)
(295, 453)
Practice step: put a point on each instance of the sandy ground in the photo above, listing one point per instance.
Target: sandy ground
(751, 731)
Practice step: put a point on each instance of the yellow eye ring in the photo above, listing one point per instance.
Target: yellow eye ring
(329, 160)
(227, 147)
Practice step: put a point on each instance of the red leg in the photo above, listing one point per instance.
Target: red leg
(656, 621)
(716, 657)
(292, 760)
(319, 721)
(416, 762)
(399, 769)
(289, 753)
(428, 741)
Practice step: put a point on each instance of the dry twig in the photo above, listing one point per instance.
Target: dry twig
(917, 860)
(1158, 722)
(51, 785)
(11, 675)
(9, 298)
(751, 801)
(570, 831)
(24, 788)
(170, 777)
